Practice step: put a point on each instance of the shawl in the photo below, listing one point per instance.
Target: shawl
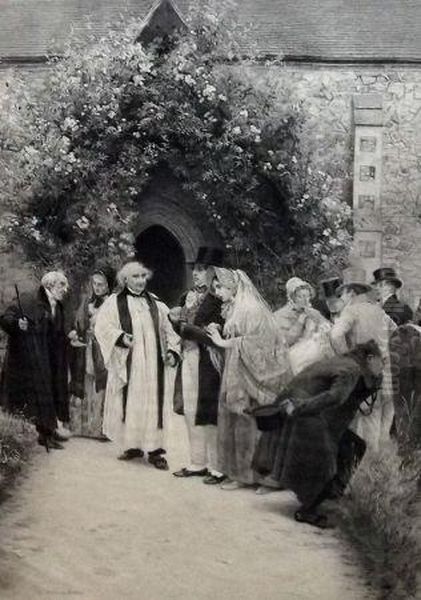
(257, 366)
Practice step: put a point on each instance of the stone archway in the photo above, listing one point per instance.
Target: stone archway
(170, 224)
(165, 254)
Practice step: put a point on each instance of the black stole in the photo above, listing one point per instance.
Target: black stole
(127, 327)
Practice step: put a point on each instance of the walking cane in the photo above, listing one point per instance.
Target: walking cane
(28, 349)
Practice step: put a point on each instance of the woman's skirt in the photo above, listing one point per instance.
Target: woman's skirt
(237, 440)
(86, 414)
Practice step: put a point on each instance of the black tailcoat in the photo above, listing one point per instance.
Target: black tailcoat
(398, 311)
(208, 312)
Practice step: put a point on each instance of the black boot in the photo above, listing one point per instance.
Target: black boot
(311, 518)
(131, 453)
(49, 443)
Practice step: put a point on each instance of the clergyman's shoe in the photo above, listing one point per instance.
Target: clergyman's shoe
(188, 473)
(131, 453)
(158, 461)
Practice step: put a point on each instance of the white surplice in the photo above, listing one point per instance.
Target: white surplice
(140, 428)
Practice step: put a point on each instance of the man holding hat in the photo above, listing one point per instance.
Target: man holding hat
(386, 282)
(360, 321)
(198, 375)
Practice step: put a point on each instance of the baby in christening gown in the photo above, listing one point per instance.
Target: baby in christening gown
(313, 346)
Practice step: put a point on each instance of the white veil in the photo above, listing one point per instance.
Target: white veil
(257, 366)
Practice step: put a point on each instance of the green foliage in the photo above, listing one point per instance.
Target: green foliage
(381, 516)
(87, 143)
(17, 438)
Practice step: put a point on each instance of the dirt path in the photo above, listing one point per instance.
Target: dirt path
(87, 526)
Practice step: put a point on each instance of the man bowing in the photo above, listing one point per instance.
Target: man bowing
(140, 350)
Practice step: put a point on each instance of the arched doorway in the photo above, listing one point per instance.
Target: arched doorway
(163, 251)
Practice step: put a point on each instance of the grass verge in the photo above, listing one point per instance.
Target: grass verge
(380, 516)
(17, 439)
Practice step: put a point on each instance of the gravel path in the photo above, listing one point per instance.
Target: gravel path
(87, 526)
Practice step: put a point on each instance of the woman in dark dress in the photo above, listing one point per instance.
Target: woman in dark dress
(89, 375)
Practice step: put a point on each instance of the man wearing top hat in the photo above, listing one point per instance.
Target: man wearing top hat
(386, 282)
(362, 320)
(331, 300)
(198, 375)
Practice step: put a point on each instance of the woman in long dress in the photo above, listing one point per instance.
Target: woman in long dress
(256, 368)
(89, 376)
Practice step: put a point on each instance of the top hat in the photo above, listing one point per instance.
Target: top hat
(268, 418)
(355, 277)
(386, 274)
(329, 286)
(210, 256)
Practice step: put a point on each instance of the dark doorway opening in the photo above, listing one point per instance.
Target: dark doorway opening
(162, 251)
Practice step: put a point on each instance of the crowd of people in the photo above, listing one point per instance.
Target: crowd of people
(291, 399)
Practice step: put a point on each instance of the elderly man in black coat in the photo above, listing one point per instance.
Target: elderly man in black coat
(35, 369)
(310, 448)
(199, 375)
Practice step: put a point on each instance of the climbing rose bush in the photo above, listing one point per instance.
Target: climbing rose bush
(83, 146)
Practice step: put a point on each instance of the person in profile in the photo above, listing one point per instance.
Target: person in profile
(35, 369)
(200, 378)
(387, 284)
(255, 367)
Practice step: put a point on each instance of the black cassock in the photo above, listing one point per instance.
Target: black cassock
(35, 368)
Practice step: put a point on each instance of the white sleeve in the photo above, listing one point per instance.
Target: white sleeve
(341, 327)
(108, 328)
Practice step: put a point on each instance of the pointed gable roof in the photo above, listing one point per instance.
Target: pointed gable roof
(162, 20)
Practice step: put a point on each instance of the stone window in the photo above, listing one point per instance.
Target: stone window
(367, 248)
(367, 173)
(368, 144)
(366, 202)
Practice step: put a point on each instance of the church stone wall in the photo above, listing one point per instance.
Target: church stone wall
(328, 94)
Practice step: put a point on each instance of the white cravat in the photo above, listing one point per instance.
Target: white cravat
(383, 301)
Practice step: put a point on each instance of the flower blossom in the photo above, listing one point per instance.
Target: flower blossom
(83, 223)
